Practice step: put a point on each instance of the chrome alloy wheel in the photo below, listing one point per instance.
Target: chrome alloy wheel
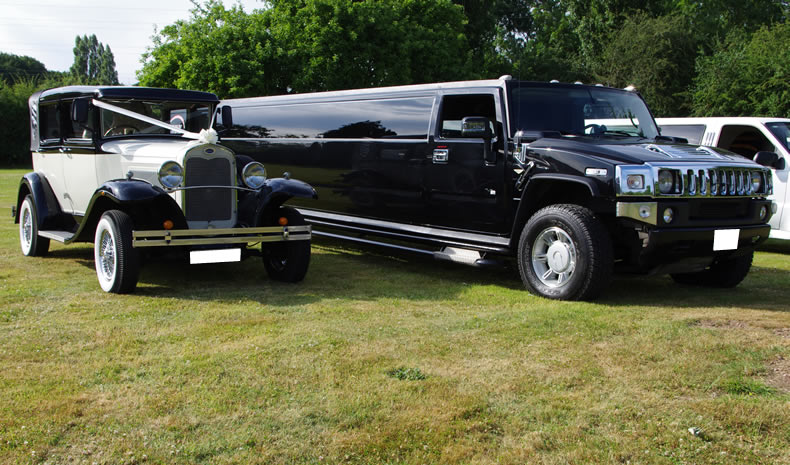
(554, 257)
(106, 255)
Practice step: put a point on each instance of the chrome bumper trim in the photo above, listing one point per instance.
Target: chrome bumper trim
(179, 237)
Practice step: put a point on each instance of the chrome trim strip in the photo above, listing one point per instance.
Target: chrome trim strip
(422, 230)
(178, 237)
(631, 210)
(238, 188)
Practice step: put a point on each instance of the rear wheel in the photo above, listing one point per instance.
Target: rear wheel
(565, 253)
(722, 273)
(117, 262)
(31, 243)
(288, 260)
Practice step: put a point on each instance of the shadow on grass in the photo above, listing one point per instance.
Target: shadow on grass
(340, 270)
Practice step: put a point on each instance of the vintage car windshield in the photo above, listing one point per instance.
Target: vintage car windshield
(581, 111)
(781, 131)
(185, 115)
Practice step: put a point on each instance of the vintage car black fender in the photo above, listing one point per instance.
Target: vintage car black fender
(257, 209)
(49, 214)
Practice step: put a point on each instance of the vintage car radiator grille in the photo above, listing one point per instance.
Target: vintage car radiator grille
(210, 203)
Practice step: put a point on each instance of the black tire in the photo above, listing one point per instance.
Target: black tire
(117, 262)
(722, 273)
(572, 257)
(288, 260)
(31, 243)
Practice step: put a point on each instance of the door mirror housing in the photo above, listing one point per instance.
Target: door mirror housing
(770, 159)
(227, 117)
(79, 111)
(479, 127)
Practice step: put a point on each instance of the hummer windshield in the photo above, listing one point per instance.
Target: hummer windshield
(580, 111)
(183, 115)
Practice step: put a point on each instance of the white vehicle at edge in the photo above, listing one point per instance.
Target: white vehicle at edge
(135, 170)
(746, 136)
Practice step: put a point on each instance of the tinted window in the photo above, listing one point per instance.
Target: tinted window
(377, 119)
(692, 132)
(782, 132)
(49, 125)
(456, 107)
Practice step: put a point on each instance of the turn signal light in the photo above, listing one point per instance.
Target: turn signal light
(168, 225)
(283, 221)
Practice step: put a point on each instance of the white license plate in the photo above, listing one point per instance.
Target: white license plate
(197, 257)
(726, 239)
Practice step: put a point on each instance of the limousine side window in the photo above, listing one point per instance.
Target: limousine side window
(456, 107)
(49, 129)
(691, 132)
(401, 118)
(744, 140)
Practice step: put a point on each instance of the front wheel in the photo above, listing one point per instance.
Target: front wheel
(288, 260)
(117, 262)
(565, 253)
(723, 273)
(32, 244)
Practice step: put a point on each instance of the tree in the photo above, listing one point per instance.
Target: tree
(748, 75)
(657, 56)
(14, 67)
(94, 63)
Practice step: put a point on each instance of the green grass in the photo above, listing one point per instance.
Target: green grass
(382, 358)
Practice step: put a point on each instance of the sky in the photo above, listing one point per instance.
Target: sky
(45, 29)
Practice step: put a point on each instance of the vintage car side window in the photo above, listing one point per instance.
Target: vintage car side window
(49, 123)
(456, 107)
(692, 132)
(79, 132)
(406, 118)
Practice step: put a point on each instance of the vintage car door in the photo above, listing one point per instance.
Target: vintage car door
(79, 161)
(466, 191)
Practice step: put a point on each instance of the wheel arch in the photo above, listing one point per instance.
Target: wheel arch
(48, 210)
(279, 191)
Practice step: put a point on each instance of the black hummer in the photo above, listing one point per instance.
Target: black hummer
(574, 181)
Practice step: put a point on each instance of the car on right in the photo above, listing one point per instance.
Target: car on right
(746, 136)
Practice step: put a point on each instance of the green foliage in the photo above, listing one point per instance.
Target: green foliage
(746, 76)
(94, 63)
(14, 67)
(657, 56)
(15, 122)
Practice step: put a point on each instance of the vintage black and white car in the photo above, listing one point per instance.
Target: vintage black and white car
(572, 181)
(138, 171)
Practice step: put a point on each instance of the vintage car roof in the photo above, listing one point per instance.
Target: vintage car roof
(127, 92)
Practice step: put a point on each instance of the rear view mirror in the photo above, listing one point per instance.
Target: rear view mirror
(227, 117)
(770, 159)
(79, 111)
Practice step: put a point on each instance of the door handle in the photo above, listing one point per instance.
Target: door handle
(441, 156)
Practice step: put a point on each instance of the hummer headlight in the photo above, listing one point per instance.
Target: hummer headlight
(757, 182)
(666, 181)
(171, 175)
(635, 182)
(254, 175)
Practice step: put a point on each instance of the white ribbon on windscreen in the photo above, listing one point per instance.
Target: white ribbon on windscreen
(205, 136)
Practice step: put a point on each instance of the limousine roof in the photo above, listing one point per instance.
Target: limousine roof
(720, 120)
(124, 93)
(414, 89)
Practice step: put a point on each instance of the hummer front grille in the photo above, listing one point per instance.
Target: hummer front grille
(693, 180)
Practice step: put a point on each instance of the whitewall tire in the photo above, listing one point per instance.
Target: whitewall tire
(31, 243)
(117, 262)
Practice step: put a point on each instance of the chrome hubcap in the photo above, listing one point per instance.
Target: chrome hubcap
(554, 257)
(107, 255)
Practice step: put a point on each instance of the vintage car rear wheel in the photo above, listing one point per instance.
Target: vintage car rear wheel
(32, 244)
(117, 262)
(724, 273)
(287, 261)
(565, 253)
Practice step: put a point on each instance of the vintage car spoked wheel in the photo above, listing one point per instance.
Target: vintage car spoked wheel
(117, 264)
(32, 244)
(287, 261)
(565, 253)
(554, 257)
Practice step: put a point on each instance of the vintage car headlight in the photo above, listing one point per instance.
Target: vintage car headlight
(171, 174)
(254, 175)
(666, 181)
(757, 182)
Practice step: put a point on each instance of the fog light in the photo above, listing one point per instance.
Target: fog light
(168, 225)
(669, 215)
(763, 212)
(283, 221)
(644, 211)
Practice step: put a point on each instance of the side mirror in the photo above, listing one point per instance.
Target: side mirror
(79, 111)
(769, 159)
(479, 127)
(227, 117)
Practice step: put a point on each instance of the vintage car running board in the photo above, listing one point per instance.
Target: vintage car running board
(60, 236)
(179, 237)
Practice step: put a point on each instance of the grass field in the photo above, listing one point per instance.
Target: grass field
(382, 359)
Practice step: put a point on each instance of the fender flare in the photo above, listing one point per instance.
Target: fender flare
(47, 207)
(527, 201)
(277, 192)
